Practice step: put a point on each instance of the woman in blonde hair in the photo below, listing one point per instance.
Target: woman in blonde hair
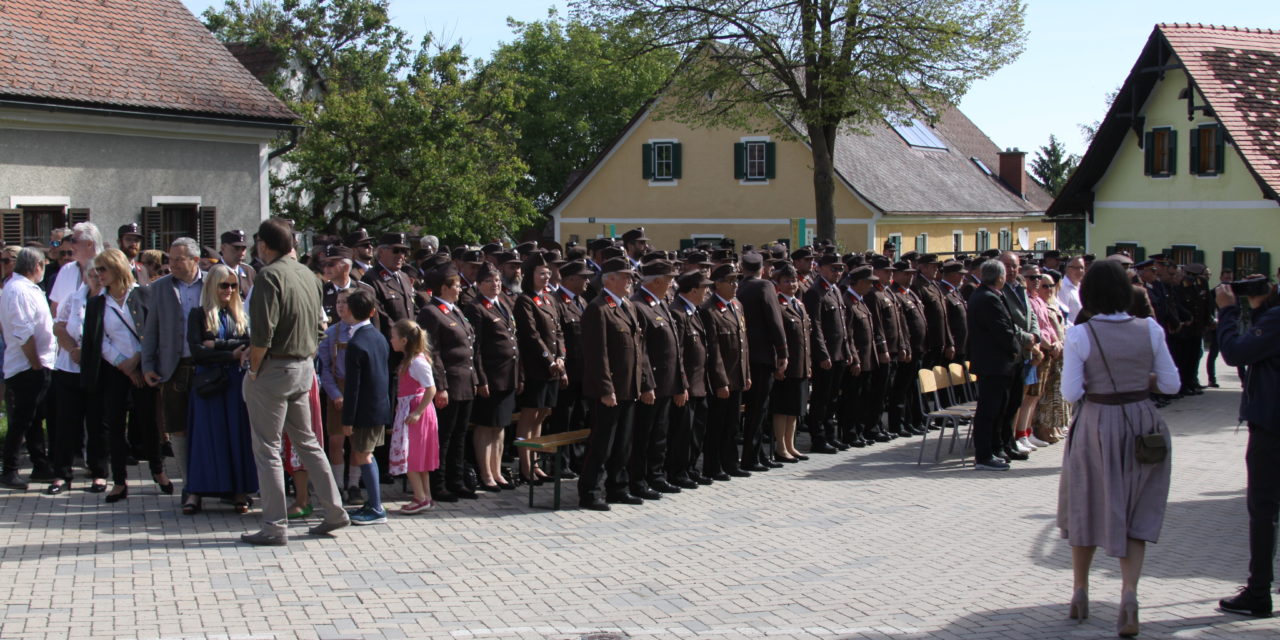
(415, 439)
(221, 450)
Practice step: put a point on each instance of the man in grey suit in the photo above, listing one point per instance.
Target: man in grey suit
(166, 356)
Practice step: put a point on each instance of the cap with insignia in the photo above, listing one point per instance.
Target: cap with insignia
(725, 272)
(534, 260)
(693, 280)
(487, 271)
(616, 265)
(335, 252)
(435, 261)
(235, 238)
(1195, 269)
(610, 253)
(903, 266)
(751, 260)
(830, 259)
(653, 255)
(697, 257)
(803, 253)
(491, 248)
(600, 244)
(882, 263)
(953, 266)
(505, 258)
(990, 253)
(394, 239)
(1149, 262)
(634, 235)
(526, 247)
(576, 268)
(910, 256)
(657, 268)
(358, 237)
(889, 244)
(130, 229)
(927, 258)
(863, 273)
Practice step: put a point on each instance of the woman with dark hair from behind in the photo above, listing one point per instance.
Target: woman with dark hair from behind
(1115, 481)
(221, 455)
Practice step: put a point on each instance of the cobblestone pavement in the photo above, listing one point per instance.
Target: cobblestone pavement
(864, 544)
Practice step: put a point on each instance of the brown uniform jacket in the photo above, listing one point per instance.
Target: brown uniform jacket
(571, 310)
(957, 318)
(693, 345)
(865, 330)
(498, 355)
(452, 341)
(662, 344)
(614, 359)
(937, 335)
(830, 335)
(885, 305)
(798, 327)
(727, 354)
(393, 291)
(913, 314)
(538, 334)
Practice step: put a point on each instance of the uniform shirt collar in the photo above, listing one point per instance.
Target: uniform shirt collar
(616, 299)
(447, 305)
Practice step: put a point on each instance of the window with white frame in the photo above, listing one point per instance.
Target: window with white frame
(1006, 240)
(663, 161)
(982, 241)
(957, 241)
(757, 161)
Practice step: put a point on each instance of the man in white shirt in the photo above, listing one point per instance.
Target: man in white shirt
(86, 242)
(1069, 293)
(28, 358)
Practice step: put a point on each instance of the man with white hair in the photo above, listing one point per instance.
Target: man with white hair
(28, 358)
(166, 355)
(86, 244)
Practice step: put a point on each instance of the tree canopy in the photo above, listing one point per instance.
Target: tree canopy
(1052, 166)
(819, 64)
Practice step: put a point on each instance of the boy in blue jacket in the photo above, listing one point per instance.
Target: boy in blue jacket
(366, 405)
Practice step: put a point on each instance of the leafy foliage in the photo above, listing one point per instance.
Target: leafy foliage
(1052, 166)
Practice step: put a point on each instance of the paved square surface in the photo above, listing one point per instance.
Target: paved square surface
(863, 544)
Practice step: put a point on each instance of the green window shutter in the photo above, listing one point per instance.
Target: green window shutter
(1264, 264)
(1197, 256)
(739, 161)
(676, 161)
(1173, 151)
(1111, 250)
(1228, 260)
(1148, 152)
(686, 243)
(646, 161)
(1195, 167)
(1140, 254)
(1219, 149)
(770, 160)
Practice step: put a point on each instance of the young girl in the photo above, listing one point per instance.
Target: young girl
(415, 443)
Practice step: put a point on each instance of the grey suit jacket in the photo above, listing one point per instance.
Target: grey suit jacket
(164, 334)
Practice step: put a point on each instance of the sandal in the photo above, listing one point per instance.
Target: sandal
(303, 513)
(192, 508)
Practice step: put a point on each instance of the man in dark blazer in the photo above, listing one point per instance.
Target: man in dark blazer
(393, 288)
(867, 355)
(953, 276)
(939, 347)
(767, 344)
(995, 353)
(730, 374)
(366, 406)
(615, 376)
(1024, 320)
(689, 423)
(888, 311)
(647, 472)
(571, 408)
(905, 419)
(830, 340)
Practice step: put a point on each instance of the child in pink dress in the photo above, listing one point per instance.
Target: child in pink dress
(415, 440)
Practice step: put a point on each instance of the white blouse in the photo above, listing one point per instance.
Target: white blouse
(71, 313)
(1077, 348)
(120, 339)
(420, 370)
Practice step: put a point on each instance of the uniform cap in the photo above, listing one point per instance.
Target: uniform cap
(234, 237)
(634, 235)
(904, 266)
(724, 271)
(600, 244)
(657, 268)
(802, 253)
(693, 279)
(130, 229)
(616, 265)
(862, 273)
(927, 258)
(394, 239)
(358, 237)
(953, 266)
(576, 268)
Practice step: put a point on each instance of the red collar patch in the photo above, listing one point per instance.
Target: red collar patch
(537, 300)
(720, 305)
(444, 308)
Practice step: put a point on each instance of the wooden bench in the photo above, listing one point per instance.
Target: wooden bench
(553, 445)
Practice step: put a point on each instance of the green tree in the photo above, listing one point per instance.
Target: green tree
(1052, 166)
(578, 87)
(822, 65)
(394, 139)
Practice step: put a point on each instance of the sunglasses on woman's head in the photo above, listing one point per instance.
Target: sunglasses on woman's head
(228, 286)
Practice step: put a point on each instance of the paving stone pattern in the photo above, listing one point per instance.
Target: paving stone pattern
(863, 544)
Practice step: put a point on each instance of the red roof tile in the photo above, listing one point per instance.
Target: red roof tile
(151, 55)
(1238, 73)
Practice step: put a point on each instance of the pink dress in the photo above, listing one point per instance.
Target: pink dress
(415, 446)
(290, 457)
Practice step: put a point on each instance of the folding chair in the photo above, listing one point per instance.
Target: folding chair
(930, 382)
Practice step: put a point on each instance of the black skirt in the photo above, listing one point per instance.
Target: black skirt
(790, 396)
(540, 394)
(494, 411)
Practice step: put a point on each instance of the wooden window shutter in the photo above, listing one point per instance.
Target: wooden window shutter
(1148, 152)
(677, 162)
(1197, 256)
(1111, 250)
(1220, 149)
(152, 222)
(208, 227)
(1229, 261)
(1140, 254)
(1173, 151)
(646, 161)
(1195, 167)
(76, 216)
(11, 231)
(1264, 263)
(770, 160)
(740, 161)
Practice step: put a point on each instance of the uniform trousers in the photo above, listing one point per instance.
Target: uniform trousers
(604, 468)
(854, 401)
(687, 434)
(1211, 361)
(25, 392)
(993, 398)
(1262, 464)
(1005, 435)
(452, 424)
(902, 403)
(1187, 354)
(757, 402)
(79, 426)
(878, 398)
(823, 403)
(723, 419)
(648, 456)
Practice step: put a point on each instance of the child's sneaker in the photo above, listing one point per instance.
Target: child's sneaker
(368, 515)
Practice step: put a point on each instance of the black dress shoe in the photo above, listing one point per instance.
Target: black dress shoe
(704, 480)
(646, 493)
(444, 496)
(624, 498)
(13, 481)
(491, 488)
(55, 489)
(665, 487)
(568, 475)
(684, 484)
(882, 437)
(802, 458)
(595, 505)
(720, 477)
(739, 473)
(1213, 385)
(117, 497)
(858, 442)
(464, 493)
(823, 448)
(773, 464)
(96, 488)
(1014, 454)
(786, 460)
(751, 467)
(839, 445)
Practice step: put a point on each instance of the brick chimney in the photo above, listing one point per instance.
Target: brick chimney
(1013, 170)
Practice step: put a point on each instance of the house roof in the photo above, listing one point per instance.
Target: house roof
(140, 55)
(1236, 70)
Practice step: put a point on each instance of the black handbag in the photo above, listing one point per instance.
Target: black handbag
(210, 382)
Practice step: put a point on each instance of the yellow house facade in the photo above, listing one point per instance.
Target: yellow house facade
(1177, 167)
(917, 185)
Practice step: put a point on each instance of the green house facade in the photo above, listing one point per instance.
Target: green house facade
(1187, 160)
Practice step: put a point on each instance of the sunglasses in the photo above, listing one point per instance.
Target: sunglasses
(66, 254)
(228, 286)
(400, 251)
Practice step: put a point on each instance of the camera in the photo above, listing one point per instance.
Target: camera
(1255, 286)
